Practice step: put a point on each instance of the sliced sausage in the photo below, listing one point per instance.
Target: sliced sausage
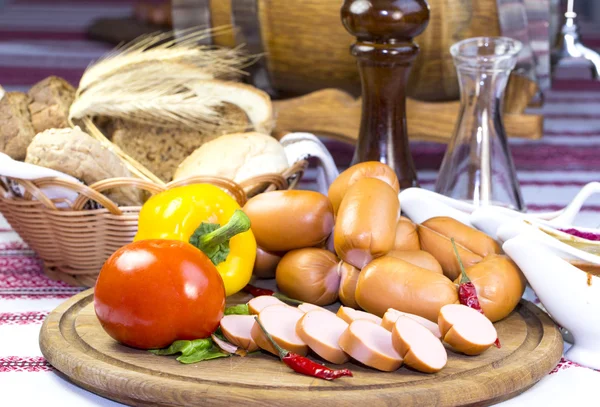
(291, 219)
(440, 247)
(257, 304)
(388, 282)
(365, 227)
(391, 316)
(350, 315)
(371, 345)
(237, 329)
(265, 263)
(307, 307)
(417, 346)
(321, 331)
(348, 280)
(466, 330)
(310, 275)
(368, 169)
(500, 284)
(419, 258)
(407, 237)
(280, 322)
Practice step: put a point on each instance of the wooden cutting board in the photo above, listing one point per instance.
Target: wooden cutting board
(73, 341)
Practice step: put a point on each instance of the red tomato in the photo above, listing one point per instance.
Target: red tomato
(152, 292)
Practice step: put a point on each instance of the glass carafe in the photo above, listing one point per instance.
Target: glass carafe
(477, 165)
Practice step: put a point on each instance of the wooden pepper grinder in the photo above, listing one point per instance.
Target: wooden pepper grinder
(385, 50)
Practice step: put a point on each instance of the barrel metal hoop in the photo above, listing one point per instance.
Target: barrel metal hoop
(191, 14)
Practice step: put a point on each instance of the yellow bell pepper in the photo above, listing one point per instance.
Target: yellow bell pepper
(208, 218)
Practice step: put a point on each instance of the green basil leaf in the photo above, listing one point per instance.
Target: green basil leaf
(205, 354)
(176, 347)
(240, 309)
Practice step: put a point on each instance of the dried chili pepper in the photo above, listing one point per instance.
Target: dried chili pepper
(257, 292)
(303, 365)
(467, 293)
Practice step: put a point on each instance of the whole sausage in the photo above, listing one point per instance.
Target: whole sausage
(287, 220)
(368, 169)
(348, 280)
(388, 282)
(265, 263)
(365, 227)
(419, 258)
(310, 275)
(440, 247)
(407, 237)
(499, 283)
(471, 238)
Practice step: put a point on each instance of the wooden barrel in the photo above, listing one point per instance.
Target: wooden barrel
(307, 48)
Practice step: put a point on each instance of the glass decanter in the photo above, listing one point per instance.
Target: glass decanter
(478, 166)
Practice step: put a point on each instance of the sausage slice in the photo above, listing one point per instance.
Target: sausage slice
(371, 345)
(257, 304)
(391, 316)
(419, 348)
(465, 329)
(350, 315)
(321, 331)
(237, 329)
(307, 307)
(280, 322)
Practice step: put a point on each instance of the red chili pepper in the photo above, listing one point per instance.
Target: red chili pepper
(257, 292)
(467, 293)
(303, 365)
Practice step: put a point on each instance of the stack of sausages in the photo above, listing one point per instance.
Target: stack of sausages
(354, 246)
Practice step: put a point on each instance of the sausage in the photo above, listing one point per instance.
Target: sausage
(291, 219)
(407, 237)
(237, 329)
(280, 322)
(471, 238)
(499, 283)
(265, 263)
(417, 346)
(365, 227)
(321, 331)
(307, 307)
(310, 275)
(388, 282)
(350, 315)
(391, 316)
(440, 247)
(257, 304)
(371, 345)
(348, 280)
(465, 329)
(419, 258)
(369, 169)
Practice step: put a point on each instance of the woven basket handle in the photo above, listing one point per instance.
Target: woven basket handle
(234, 189)
(100, 186)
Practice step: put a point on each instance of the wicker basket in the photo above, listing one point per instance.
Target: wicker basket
(74, 242)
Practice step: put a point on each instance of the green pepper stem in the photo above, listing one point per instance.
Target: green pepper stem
(238, 223)
(282, 352)
(464, 278)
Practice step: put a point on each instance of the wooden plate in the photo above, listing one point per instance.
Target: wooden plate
(73, 341)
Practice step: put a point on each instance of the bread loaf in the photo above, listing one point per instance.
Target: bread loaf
(16, 130)
(237, 157)
(51, 99)
(76, 153)
(162, 149)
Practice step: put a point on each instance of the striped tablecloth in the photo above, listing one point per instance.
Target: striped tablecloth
(43, 37)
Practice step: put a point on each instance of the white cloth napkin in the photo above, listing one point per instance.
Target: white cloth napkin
(301, 146)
